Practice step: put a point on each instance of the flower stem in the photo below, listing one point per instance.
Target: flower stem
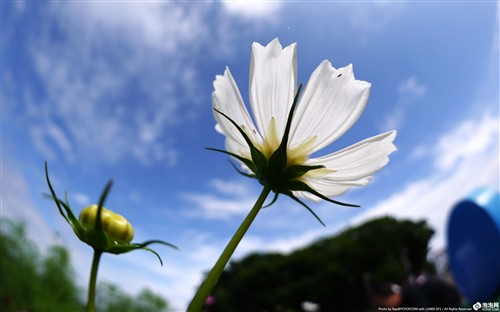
(206, 287)
(93, 280)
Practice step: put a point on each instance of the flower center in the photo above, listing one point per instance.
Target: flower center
(296, 155)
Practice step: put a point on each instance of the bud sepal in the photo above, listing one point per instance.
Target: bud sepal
(101, 228)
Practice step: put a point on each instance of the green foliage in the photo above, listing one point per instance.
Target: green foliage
(56, 277)
(110, 298)
(329, 272)
(32, 282)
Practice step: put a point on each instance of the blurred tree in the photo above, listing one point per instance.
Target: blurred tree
(18, 268)
(58, 287)
(147, 301)
(110, 298)
(329, 272)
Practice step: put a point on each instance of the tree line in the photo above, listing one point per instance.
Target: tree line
(358, 269)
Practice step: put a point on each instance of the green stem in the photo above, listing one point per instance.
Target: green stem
(212, 277)
(93, 281)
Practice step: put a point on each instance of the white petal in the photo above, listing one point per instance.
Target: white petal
(227, 99)
(352, 166)
(323, 187)
(273, 78)
(331, 103)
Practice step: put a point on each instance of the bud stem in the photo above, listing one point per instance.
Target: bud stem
(206, 287)
(93, 281)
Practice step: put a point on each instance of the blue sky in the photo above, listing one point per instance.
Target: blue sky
(122, 90)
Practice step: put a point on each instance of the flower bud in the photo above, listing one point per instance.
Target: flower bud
(113, 224)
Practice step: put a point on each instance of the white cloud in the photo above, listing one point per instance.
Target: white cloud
(82, 200)
(159, 25)
(469, 139)
(234, 188)
(227, 199)
(20, 5)
(253, 9)
(111, 80)
(116, 80)
(283, 244)
(373, 17)
(217, 208)
(412, 88)
(465, 158)
(17, 204)
(409, 91)
(394, 120)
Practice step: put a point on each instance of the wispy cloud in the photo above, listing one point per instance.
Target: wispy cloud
(464, 158)
(411, 89)
(116, 81)
(467, 140)
(82, 200)
(233, 188)
(409, 92)
(227, 199)
(109, 81)
(259, 9)
(17, 204)
(373, 17)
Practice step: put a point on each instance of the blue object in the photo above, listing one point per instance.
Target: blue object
(474, 244)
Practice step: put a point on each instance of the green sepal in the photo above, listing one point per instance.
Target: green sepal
(99, 237)
(297, 185)
(244, 160)
(68, 216)
(252, 176)
(153, 252)
(258, 158)
(275, 198)
(290, 194)
(124, 248)
(278, 159)
(295, 171)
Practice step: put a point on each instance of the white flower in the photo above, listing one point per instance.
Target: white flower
(331, 103)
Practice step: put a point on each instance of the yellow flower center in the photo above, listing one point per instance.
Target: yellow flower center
(297, 155)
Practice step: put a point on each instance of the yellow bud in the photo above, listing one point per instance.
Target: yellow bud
(113, 224)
